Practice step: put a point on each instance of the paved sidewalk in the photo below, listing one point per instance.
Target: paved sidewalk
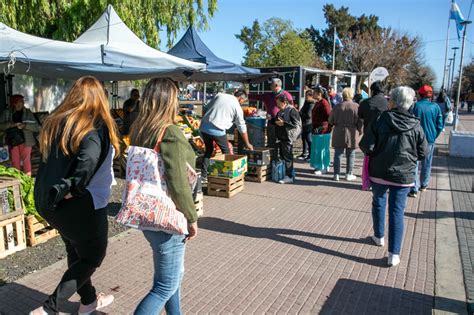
(461, 178)
(286, 249)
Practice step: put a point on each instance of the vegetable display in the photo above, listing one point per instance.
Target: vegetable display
(27, 188)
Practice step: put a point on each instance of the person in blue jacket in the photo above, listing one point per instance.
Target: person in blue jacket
(431, 120)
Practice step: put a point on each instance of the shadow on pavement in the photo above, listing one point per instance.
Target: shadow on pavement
(19, 299)
(441, 215)
(325, 182)
(283, 235)
(356, 297)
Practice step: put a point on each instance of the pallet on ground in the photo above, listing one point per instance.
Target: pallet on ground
(258, 174)
(12, 235)
(224, 187)
(199, 204)
(38, 230)
(12, 185)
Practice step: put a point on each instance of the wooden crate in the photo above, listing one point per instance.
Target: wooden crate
(12, 235)
(258, 174)
(9, 183)
(38, 231)
(224, 187)
(199, 203)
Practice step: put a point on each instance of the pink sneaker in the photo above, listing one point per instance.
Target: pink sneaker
(38, 311)
(102, 300)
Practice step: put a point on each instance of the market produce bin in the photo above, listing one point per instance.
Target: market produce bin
(228, 165)
(11, 204)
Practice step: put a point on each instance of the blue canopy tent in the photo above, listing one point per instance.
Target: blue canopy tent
(192, 48)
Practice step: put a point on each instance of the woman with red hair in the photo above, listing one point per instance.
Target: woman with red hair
(73, 186)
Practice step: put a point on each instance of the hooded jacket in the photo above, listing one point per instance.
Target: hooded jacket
(395, 142)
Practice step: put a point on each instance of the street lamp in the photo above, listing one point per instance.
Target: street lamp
(450, 83)
(449, 77)
(456, 105)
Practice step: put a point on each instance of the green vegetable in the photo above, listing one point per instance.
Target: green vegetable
(27, 189)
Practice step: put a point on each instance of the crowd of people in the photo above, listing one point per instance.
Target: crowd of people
(79, 140)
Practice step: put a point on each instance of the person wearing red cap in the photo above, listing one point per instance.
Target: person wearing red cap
(431, 120)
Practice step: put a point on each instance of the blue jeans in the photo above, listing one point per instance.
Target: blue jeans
(168, 258)
(350, 155)
(425, 173)
(397, 200)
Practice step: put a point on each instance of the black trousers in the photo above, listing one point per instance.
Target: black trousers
(84, 232)
(306, 137)
(285, 151)
(209, 140)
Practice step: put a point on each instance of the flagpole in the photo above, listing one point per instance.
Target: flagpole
(334, 49)
(446, 51)
(456, 105)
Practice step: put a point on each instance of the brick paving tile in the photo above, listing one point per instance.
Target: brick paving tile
(275, 249)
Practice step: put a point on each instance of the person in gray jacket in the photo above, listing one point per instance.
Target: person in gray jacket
(223, 112)
(19, 125)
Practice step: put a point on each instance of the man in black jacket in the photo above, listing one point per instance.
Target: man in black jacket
(372, 107)
(394, 142)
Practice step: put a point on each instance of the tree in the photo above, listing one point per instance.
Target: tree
(67, 19)
(419, 74)
(467, 82)
(347, 26)
(276, 43)
(385, 48)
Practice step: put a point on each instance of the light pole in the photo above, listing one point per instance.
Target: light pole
(456, 105)
(450, 83)
(448, 89)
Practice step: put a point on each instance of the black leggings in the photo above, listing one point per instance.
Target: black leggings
(84, 231)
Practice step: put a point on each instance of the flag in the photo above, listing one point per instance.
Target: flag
(456, 15)
(338, 40)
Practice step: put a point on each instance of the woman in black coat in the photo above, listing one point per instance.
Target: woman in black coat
(394, 142)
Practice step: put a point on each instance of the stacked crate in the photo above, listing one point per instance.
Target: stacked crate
(226, 175)
(260, 165)
(12, 222)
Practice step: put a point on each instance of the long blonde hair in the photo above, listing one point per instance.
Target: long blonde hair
(84, 106)
(158, 110)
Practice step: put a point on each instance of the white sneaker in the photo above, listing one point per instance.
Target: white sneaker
(336, 178)
(286, 180)
(378, 241)
(393, 259)
(102, 301)
(320, 172)
(350, 177)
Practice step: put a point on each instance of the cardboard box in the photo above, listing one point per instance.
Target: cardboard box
(259, 156)
(228, 165)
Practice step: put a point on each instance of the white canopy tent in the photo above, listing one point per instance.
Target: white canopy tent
(121, 47)
(108, 50)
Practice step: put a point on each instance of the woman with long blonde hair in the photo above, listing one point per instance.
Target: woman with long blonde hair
(73, 186)
(157, 114)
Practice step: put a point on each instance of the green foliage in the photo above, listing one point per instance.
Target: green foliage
(347, 26)
(67, 19)
(27, 188)
(419, 74)
(276, 43)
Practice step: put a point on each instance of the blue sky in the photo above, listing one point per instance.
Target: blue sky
(424, 18)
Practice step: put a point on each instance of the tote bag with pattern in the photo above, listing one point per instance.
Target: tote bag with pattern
(147, 204)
